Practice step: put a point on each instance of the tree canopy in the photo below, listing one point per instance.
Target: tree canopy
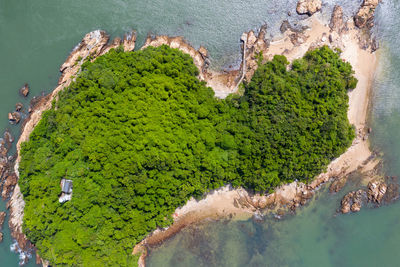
(139, 134)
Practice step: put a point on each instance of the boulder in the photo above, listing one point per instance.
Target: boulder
(2, 218)
(1, 237)
(374, 47)
(333, 37)
(114, 44)
(203, 52)
(346, 203)
(357, 200)
(251, 39)
(297, 38)
(3, 168)
(376, 191)
(337, 24)
(352, 201)
(8, 185)
(24, 90)
(19, 106)
(308, 6)
(129, 41)
(365, 15)
(285, 26)
(14, 117)
(255, 44)
(8, 138)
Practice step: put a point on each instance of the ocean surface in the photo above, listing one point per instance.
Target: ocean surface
(37, 36)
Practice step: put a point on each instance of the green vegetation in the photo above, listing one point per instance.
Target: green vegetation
(139, 134)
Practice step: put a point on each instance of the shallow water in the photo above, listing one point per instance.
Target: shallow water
(37, 36)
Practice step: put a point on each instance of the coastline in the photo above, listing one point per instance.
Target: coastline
(227, 202)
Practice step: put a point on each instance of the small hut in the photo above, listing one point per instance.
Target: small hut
(66, 190)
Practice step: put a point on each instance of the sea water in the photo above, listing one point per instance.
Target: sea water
(37, 36)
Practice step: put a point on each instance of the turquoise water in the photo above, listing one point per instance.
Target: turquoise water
(37, 36)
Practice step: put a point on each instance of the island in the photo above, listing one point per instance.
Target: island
(121, 153)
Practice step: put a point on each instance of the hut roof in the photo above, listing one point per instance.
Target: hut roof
(66, 186)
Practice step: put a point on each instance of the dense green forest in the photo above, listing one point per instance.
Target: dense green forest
(139, 134)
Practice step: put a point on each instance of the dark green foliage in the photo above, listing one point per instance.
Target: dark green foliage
(139, 134)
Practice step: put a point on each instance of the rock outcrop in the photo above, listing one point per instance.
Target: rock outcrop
(4, 162)
(129, 41)
(308, 6)
(115, 43)
(253, 46)
(24, 91)
(8, 186)
(2, 218)
(353, 201)
(337, 23)
(365, 15)
(91, 45)
(376, 191)
(16, 205)
(380, 190)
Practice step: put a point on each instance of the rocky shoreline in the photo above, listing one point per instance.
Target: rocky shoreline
(238, 202)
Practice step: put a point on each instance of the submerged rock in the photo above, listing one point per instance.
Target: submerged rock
(392, 193)
(374, 47)
(308, 6)
(338, 184)
(24, 90)
(285, 26)
(19, 106)
(1, 237)
(8, 138)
